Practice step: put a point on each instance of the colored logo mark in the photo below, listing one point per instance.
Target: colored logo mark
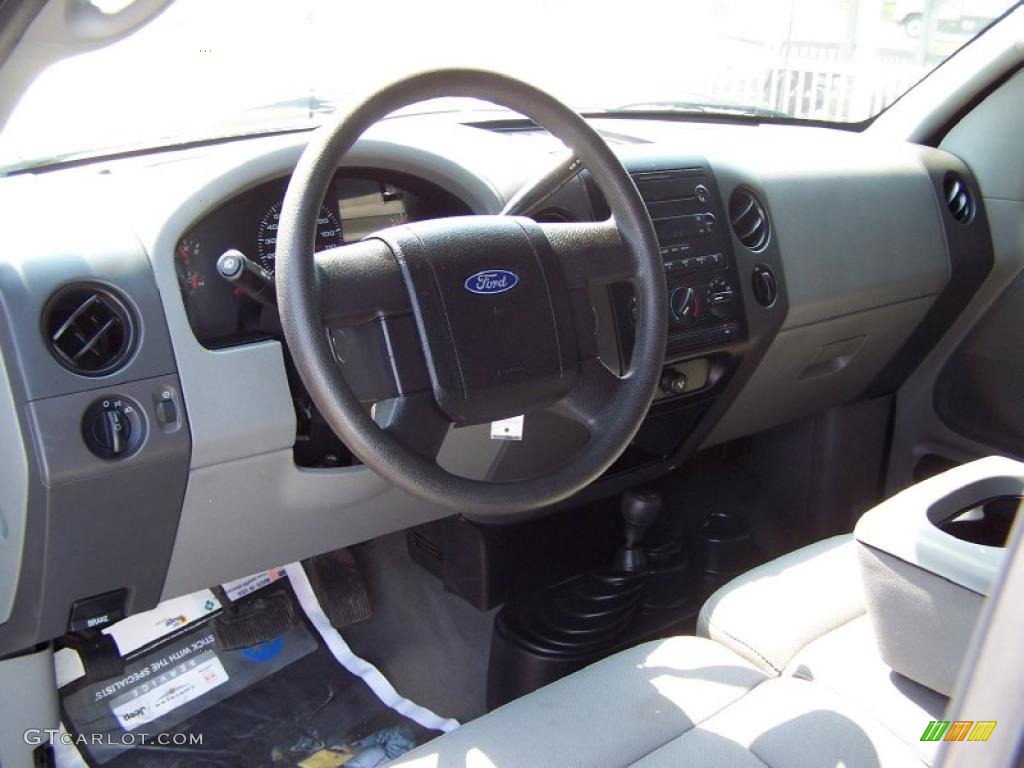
(959, 730)
(492, 281)
(264, 651)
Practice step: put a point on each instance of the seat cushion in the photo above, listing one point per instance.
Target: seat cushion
(848, 662)
(683, 701)
(786, 723)
(609, 714)
(770, 613)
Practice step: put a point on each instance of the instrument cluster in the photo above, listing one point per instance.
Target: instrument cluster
(357, 204)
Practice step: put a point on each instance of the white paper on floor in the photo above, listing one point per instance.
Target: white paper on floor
(143, 629)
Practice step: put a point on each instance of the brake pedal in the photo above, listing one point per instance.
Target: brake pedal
(339, 587)
(252, 621)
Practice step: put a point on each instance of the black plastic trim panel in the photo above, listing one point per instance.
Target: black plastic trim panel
(971, 257)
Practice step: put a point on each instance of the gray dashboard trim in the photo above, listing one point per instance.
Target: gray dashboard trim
(870, 245)
(14, 498)
(90, 245)
(263, 511)
(813, 367)
(861, 274)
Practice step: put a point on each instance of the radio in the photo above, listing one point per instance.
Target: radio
(705, 307)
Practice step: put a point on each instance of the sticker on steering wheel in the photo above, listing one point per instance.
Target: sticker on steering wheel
(508, 429)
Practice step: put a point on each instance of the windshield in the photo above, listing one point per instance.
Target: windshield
(217, 68)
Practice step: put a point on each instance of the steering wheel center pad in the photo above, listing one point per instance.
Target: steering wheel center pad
(493, 314)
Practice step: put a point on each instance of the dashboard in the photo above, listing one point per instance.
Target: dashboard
(807, 268)
(357, 205)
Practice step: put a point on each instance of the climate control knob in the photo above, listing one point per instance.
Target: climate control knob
(685, 304)
(721, 299)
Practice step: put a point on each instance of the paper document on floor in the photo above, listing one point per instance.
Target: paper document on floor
(300, 699)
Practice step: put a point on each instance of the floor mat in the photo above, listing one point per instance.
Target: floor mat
(302, 699)
(432, 644)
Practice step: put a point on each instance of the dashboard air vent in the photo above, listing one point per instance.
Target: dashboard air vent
(958, 198)
(749, 220)
(88, 329)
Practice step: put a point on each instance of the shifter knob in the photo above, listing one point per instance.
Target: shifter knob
(640, 508)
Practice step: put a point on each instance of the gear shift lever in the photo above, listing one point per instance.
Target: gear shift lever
(540, 636)
(640, 508)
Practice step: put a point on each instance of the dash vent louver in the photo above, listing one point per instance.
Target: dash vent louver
(748, 219)
(958, 198)
(88, 329)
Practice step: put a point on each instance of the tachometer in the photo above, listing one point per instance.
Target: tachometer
(328, 234)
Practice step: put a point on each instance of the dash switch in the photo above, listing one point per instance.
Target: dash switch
(167, 411)
(97, 611)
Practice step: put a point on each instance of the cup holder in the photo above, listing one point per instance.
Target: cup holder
(988, 522)
(725, 544)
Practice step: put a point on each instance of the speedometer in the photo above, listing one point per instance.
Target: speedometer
(328, 234)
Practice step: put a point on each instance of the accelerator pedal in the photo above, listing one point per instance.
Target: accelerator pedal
(253, 620)
(339, 587)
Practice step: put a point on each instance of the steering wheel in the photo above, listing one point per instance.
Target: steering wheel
(469, 319)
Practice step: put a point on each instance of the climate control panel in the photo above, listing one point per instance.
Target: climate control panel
(691, 304)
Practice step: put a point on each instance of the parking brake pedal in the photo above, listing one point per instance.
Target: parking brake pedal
(253, 620)
(339, 587)
(98, 652)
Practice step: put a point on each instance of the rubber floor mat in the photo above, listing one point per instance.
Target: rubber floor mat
(301, 699)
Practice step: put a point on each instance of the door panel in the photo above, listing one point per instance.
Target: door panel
(980, 390)
(966, 399)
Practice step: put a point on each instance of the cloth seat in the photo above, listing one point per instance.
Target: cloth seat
(787, 675)
(804, 615)
(613, 712)
(847, 661)
(771, 612)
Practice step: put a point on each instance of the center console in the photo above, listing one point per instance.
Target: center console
(705, 308)
(929, 556)
(726, 297)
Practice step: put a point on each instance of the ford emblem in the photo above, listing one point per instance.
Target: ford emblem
(492, 281)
